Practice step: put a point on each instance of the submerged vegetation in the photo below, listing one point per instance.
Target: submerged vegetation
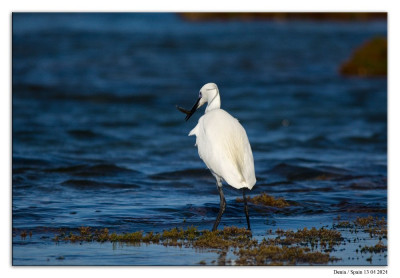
(266, 200)
(265, 254)
(312, 236)
(238, 246)
(377, 248)
(374, 226)
(249, 251)
(281, 247)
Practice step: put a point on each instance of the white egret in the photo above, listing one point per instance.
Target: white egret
(223, 146)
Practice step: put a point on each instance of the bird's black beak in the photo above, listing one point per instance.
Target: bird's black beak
(194, 108)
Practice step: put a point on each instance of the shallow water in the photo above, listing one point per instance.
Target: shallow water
(97, 140)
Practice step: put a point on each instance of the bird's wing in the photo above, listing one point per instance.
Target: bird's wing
(226, 150)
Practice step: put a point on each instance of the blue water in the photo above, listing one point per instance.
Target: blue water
(97, 140)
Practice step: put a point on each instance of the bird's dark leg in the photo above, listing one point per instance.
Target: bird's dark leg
(246, 210)
(222, 206)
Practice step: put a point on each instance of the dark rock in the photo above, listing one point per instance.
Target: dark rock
(370, 59)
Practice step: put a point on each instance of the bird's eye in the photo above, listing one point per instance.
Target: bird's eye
(200, 95)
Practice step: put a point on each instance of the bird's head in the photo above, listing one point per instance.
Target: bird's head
(207, 94)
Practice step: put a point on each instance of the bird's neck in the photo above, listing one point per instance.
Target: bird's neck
(215, 103)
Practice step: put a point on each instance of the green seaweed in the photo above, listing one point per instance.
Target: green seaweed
(224, 239)
(266, 200)
(247, 249)
(377, 248)
(23, 234)
(266, 254)
(373, 225)
(280, 247)
(313, 237)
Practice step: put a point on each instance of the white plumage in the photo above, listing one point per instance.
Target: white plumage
(223, 146)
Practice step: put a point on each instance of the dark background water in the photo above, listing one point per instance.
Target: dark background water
(97, 140)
